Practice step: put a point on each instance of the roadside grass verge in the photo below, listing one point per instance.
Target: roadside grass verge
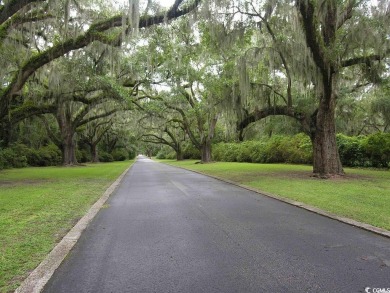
(362, 195)
(37, 208)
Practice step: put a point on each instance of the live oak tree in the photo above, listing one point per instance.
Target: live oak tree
(94, 133)
(190, 89)
(76, 90)
(163, 130)
(302, 59)
(315, 47)
(78, 109)
(42, 31)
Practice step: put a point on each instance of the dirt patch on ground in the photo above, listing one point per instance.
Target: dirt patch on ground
(11, 183)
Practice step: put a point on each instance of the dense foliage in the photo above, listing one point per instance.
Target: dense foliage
(20, 155)
(355, 151)
(86, 81)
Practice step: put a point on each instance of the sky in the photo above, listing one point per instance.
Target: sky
(165, 3)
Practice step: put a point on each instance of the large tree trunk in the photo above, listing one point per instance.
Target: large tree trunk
(179, 156)
(68, 147)
(206, 141)
(94, 153)
(5, 133)
(179, 153)
(326, 159)
(206, 151)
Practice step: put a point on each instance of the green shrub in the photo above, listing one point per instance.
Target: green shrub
(161, 156)
(34, 158)
(119, 155)
(13, 157)
(259, 152)
(166, 152)
(274, 150)
(52, 154)
(48, 155)
(217, 151)
(83, 156)
(244, 153)
(351, 150)
(131, 153)
(373, 150)
(297, 149)
(377, 148)
(190, 152)
(278, 149)
(105, 157)
(2, 161)
(231, 151)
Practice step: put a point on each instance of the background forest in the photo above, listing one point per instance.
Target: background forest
(300, 81)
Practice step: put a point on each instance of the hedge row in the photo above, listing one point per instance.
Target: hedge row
(19, 156)
(278, 149)
(358, 151)
(189, 152)
(365, 151)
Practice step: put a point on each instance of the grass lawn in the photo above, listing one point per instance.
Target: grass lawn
(37, 208)
(362, 195)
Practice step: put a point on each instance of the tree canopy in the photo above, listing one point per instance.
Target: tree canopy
(194, 74)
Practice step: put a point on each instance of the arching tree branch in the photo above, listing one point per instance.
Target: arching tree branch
(12, 7)
(94, 33)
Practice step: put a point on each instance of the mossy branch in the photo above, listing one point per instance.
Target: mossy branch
(12, 7)
(94, 33)
(28, 110)
(259, 114)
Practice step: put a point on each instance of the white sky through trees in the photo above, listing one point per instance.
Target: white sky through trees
(124, 3)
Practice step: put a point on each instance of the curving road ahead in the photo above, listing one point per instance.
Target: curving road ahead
(170, 230)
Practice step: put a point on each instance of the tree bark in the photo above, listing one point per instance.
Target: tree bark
(320, 38)
(68, 148)
(94, 153)
(5, 133)
(326, 159)
(179, 155)
(67, 135)
(206, 151)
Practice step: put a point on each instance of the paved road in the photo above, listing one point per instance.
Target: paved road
(170, 230)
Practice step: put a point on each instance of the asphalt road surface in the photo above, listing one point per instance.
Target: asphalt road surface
(170, 230)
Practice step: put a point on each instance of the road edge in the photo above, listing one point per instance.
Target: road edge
(361, 225)
(38, 278)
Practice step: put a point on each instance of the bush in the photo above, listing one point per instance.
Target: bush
(297, 149)
(34, 158)
(227, 152)
(13, 157)
(274, 150)
(119, 155)
(105, 157)
(131, 153)
(48, 155)
(217, 151)
(377, 149)
(190, 152)
(166, 152)
(258, 152)
(373, 150)
(245, 151)
(278, 149)
(83, 156)
(351, 150)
